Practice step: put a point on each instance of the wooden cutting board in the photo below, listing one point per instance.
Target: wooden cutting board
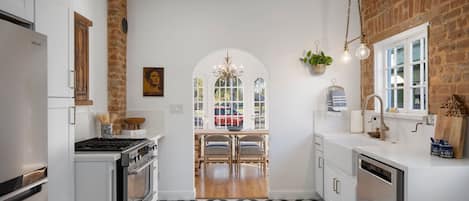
(452, 129)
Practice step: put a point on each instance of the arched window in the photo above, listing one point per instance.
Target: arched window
(259, 104)
(228, 104)
(198, 103)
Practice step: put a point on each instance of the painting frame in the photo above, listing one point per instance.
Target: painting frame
(153, 81)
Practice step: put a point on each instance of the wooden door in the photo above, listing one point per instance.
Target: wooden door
(82, 60)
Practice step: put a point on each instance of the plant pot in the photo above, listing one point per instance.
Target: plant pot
(319, 68)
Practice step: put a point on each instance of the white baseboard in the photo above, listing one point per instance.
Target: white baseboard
(176, 195)
(292, 194)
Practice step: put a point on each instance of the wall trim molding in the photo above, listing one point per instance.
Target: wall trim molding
(292, 194)
(176, 195)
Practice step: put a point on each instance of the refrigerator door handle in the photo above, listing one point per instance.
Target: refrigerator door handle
(23, 191)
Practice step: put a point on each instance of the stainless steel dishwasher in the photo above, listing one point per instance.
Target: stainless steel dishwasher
(378, 181)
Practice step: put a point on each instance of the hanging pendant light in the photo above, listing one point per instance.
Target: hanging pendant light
(362, 52)
(346, 56)
(228, 70)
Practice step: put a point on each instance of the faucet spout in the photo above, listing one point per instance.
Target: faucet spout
(383, 126)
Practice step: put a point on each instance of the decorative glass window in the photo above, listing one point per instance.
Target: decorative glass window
(259, 104)
(198, 103)
(401, 71)
(228, 104)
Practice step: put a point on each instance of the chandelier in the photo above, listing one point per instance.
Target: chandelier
(228, 70)
(362, 52)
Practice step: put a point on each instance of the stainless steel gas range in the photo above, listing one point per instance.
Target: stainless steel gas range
(134, 169)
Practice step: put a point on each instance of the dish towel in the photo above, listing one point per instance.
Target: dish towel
(336, 99)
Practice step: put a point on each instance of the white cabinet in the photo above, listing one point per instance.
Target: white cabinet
(156, 175)
(319, 165)
(61, 128)
(19, 8)
(338, 186)
(95, 180)
(54, 18)
(156, 171)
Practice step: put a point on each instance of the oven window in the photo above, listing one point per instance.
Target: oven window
(139, 184)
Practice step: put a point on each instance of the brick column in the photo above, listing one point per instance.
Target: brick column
(117, 62)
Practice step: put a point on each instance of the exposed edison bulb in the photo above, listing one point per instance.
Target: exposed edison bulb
(362, 51)
(346, 56)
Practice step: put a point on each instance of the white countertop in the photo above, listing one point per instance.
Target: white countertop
(111, 156)
(401, 156)
(405, 157)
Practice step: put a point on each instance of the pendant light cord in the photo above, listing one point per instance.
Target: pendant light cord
(362, 35)
(348, 23)
(361, 21)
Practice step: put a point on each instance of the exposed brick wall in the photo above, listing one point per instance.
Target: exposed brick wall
(448, 41)
(117, 62)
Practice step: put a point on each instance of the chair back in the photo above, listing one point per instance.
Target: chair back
(217, 138)
(251, 139)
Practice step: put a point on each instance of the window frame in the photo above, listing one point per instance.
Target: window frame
(381, 67)
(261, 115)
(239, 100)
(199, 89)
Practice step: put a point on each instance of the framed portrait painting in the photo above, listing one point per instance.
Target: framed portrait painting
(153, 81)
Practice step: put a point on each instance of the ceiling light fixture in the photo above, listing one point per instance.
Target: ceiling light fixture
(362, 52)
(228, 70)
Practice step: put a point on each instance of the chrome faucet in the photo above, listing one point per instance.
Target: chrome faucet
(383, 127)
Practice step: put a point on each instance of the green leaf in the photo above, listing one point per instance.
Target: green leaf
(309, 53)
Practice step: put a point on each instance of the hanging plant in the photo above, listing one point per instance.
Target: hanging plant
(318, 61)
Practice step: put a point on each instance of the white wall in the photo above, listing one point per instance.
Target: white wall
(96, 11)
(177, 34)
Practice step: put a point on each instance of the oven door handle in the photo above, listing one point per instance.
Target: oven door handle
(137, 170)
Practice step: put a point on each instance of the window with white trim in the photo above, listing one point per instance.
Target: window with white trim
(198, 103)
(259, 103)
(401, 71)
(228, 104)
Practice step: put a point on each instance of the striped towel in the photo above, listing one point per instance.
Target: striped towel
(336, 99)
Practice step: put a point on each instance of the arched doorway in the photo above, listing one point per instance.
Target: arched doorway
(220, 104)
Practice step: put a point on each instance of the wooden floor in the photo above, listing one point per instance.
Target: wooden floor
(218, 182)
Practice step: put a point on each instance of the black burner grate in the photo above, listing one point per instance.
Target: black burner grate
(106, 144)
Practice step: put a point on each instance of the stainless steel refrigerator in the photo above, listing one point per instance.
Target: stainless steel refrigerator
(23, 114)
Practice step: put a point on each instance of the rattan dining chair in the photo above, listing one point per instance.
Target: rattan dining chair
(251, 149)
(217, 148)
